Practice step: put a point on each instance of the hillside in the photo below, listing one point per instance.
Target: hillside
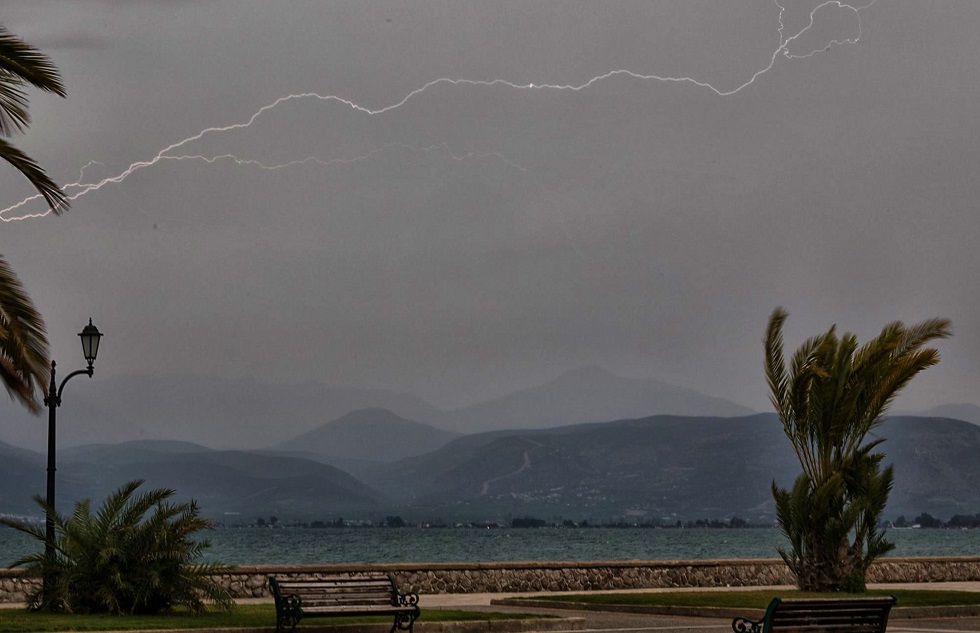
(666, 466)
(369, 435)
(228, 484)
(648, 469)
(936, 465)
(21, 475)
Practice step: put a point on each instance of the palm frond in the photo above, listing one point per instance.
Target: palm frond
(56, 198)
(23, 344)
(775, 364)
(20, 64)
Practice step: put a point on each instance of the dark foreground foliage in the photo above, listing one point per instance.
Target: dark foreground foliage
(134, 555)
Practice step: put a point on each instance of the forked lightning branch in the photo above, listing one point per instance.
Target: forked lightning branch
(20, 210)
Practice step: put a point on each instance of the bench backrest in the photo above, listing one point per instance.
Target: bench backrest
(341, 590)
(860, 615)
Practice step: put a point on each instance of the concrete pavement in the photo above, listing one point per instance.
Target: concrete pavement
(618, 622)
(460, 600)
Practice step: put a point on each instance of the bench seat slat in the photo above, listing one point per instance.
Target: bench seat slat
(821, 615)
(337, 587)
(337, 590)
(854, 618)
(352, 609)
(338, 580)
(347, 580)
(341, 594)
(825, 615)
(326, 602)
(826, 628)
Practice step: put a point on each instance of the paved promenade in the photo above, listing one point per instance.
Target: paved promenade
(614, 622)
(639, 623)
(459, 600)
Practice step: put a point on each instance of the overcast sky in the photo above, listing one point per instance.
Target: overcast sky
(459, 199)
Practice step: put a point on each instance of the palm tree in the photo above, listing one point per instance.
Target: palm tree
(834, 395)
(23, 344)
(136, 553)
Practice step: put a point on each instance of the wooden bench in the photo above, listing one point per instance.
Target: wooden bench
(375, 594)
(837, 615)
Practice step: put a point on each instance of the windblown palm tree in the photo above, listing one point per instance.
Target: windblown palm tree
(23, 344)
(834, 395)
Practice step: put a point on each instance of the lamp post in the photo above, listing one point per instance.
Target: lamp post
(90, 336)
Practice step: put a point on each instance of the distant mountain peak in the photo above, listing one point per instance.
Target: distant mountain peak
(588, 394)
(589, 373)
(369, 415)
(372, 434)
(958, 411)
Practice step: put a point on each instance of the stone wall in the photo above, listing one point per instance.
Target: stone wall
(430, 578)
(925, 569)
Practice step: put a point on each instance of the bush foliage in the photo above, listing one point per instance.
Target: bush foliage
(133, 555)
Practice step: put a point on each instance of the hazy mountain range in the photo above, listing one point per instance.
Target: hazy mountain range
(654, 468)
(588, 445)
(245, 414)
(588, 394)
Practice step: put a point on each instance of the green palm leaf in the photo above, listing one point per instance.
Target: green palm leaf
(23, 344)
(21, 65)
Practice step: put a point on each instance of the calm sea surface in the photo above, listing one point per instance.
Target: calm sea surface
(259, 546)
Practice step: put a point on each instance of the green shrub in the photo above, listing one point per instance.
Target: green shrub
(121, 559)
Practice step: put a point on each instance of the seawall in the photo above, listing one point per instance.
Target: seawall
(497, 577)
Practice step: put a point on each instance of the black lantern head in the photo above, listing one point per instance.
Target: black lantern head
(90, 336)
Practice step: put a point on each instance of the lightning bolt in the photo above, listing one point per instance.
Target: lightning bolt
(80, 188)
(442, 147)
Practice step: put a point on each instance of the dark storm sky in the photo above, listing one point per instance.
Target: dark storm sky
(475, 197)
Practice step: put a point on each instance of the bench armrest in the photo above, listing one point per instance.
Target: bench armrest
(403, 599)
(410, 599)
(293, 602)
(745, 625)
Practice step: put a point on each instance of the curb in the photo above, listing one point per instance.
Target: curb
(922, 613)
(468, 626)
(696, 612)
(505, 626)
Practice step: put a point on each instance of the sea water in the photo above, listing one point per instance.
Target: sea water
(270, 546)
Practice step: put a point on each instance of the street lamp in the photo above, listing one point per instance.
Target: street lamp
(90, 336)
